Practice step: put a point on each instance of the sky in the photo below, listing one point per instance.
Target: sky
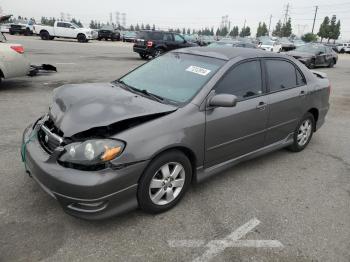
(195, 14)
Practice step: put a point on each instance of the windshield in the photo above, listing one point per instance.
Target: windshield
(310, 49)
(174, 76)
(267, 42)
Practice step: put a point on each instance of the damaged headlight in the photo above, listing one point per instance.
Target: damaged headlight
(92, 152)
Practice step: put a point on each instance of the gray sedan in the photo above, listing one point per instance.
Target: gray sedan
(140, 141)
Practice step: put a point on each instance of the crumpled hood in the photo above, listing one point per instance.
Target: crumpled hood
(77, 108)
(299, 54)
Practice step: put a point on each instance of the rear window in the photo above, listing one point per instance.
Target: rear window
(174, 76)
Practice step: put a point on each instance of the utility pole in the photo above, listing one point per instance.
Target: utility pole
(270, 24)
(286, 14)
(313, 25)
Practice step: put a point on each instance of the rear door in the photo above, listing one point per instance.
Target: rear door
(287, 98)
(234, 131)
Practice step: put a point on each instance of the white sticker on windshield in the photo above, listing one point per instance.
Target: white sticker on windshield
(198, 70)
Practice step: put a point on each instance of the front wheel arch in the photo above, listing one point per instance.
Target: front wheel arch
(184, 150)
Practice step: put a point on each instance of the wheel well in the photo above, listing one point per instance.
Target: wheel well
(1, 74)
(314, 112)
(187, 152)
(81, 34)
(43, 31)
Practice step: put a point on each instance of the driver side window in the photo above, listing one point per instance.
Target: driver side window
(243, 81)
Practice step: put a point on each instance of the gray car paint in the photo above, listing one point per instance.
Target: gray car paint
(213, 138)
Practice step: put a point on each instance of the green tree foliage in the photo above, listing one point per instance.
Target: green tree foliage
(309, 37)
(148, 27)
(262, 30)
(132, 28)
(283, 30)
(77, 22)
(224, 31)
(323, 32)
(245, 31)
(183, 31)
(48, 21)
(137, 27)
(188, 31)
(153, 27)
(334, 29)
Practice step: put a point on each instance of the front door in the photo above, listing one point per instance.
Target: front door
(233, 132)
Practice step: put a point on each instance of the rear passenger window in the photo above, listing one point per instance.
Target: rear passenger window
(282, 75)
(243, 81)
(60, 25)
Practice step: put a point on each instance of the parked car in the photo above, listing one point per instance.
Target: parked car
(298, 42)
(270, 45)
(22, 27)
(155, 43)
(63, 29)
(128, 36)
(13, 62)
(286, 44)
(108, 32)
(343, 48)
(232, 43)
(104, 149)
(313, 55)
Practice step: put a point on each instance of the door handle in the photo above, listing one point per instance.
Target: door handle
(302, 93)
(261, 106)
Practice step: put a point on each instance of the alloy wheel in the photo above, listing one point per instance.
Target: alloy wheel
(167, 183)
(304, 132)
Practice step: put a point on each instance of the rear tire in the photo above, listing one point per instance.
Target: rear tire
(331, 63)
(158, 52)
(164, 182)
(45, 35)
(303, 133)
(144, 56)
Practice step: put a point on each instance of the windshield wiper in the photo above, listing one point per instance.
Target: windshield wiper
(143, 91)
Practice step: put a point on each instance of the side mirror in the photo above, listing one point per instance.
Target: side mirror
(223, 100)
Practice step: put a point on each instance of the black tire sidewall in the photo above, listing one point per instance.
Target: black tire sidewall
(295, 147)
(81, 38)
(144, 199)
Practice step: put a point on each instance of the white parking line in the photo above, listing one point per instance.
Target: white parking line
(232, 240)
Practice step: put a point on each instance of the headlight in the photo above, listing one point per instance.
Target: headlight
(92, 152)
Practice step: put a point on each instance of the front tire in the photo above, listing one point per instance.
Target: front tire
(303, 133)
(164, 182)
(81, 38)
(331, 63)
(158, 52)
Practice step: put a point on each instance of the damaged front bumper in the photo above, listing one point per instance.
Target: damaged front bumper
(89, 195)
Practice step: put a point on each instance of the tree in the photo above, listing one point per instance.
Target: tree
(218, 32)
(137, 27)
(287, 28)
(132, 28)
(148, 27)
(153, 27)
(245, 32)
(142, 27)
(224, 31)
(278, 29)
(212, 31)
(309, 37)
(334, 29)
(262, 29)
(188, 31)
(323, 32)
(183, 31)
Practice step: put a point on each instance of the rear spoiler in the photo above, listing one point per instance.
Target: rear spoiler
(319, 74)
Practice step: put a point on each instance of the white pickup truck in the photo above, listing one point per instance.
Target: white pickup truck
(65, 30)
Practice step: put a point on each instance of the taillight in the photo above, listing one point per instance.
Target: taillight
(149, 44)
(18, 48)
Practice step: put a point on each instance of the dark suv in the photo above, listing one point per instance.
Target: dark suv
(154, 43)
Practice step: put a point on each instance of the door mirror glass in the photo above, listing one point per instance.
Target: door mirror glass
(223, 100)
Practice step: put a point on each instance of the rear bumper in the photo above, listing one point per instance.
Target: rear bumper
(89, 195)
(143, 50)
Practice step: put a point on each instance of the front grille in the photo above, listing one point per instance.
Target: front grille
(49, 136)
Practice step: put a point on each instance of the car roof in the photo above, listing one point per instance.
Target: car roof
(227, 53)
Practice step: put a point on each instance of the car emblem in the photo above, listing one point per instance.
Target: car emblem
(46, 138)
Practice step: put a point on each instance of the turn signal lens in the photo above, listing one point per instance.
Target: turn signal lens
(149, 44)
(18, 48)
(110, 153)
